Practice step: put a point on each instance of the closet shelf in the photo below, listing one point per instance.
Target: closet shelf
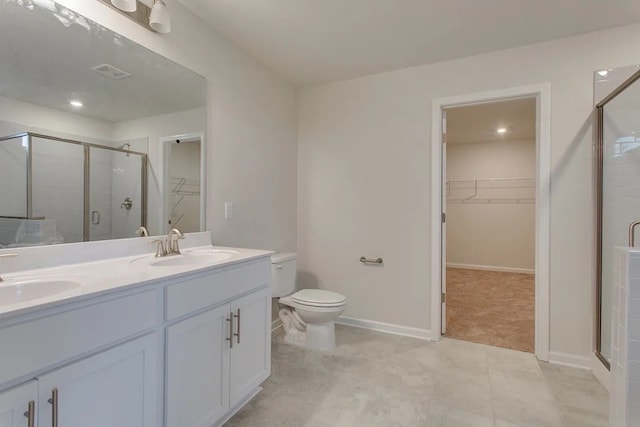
(491, 190)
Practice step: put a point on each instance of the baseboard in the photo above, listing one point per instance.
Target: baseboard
(491, 268)
(389, 328)
(275, 324)
(600, 371)
(572, 360)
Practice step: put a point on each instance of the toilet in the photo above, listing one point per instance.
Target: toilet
(307, 315)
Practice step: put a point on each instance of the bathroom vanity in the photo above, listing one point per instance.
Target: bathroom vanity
(179, 341)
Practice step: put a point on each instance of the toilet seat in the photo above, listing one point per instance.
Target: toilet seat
(318, 298)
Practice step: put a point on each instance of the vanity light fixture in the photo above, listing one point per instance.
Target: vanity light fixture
(160, 20)
(125, 5)
(151, 14)
(501, 131)
(76, 103)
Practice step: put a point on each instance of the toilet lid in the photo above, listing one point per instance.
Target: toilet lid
(318, 297)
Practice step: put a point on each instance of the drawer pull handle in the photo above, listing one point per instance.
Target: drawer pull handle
(237, 335)
(230, 320)
(31, 414)
(54, 407)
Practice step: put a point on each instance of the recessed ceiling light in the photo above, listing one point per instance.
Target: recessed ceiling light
(501, 130)
(76, 103)
(603, 73)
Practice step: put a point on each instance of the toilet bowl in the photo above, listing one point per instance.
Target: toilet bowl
(308, 318)
(307, 315)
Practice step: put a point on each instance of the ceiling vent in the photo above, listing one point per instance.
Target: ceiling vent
(111, 72)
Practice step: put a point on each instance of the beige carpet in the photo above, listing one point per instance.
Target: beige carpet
(491, 308)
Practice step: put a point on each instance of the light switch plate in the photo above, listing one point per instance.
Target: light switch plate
(228, 210)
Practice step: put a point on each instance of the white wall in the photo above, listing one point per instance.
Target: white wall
(491, 234)
(364, 184)
(251, 127)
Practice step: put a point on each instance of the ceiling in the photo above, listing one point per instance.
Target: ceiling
(317, 41)
(46, 56)
(479, 123)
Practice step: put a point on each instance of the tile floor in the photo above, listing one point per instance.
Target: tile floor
(381, 380)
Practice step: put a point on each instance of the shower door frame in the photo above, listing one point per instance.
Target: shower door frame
(86, 185)
(599, 176)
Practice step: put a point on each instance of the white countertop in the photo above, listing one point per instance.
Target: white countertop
(101, 277)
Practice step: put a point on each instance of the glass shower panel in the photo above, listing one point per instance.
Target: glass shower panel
(125, 185)
(621, 190)
(13, 170)
(58, 187)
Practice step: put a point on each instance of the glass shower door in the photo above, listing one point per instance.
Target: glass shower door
(620, 192)
(116, 194)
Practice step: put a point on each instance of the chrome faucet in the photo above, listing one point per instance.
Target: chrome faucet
(7, 256)
(172, 239)
(142, 232)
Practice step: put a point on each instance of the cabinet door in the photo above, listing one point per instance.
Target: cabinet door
(18, 404)
(197, 369)
(115, 388)
(251, 352)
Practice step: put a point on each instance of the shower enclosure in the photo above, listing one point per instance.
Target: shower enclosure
(617, 194)
(57, 190)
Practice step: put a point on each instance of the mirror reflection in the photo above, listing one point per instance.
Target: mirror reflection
(85, 128)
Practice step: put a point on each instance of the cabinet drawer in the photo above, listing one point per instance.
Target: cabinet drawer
(40, 343)
(201, 292)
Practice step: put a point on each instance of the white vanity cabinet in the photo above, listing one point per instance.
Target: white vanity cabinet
(250, 360)
(18, 406)
(115, 388)
(217, 359)
(187, 350)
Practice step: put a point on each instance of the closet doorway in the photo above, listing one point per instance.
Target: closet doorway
(489, 164)
(184, 180)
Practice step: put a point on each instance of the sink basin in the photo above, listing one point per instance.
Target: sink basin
(16, 291)
(189, 257)
(192, 259)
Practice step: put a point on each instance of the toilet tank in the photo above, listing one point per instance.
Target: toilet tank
(283, 274)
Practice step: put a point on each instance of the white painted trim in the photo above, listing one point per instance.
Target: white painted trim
(572, 360)
(491, 268)
(600, 371)
(389, 328)
(275, 325)
(164, 179)
(542, 92)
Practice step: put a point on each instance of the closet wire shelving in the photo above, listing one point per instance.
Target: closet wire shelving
(181, 187)
(491, 190)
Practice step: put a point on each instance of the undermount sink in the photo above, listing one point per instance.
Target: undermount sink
(15, 291)
(192, 259)
(189, 257)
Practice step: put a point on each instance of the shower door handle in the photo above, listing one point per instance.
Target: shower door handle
(95, 217)
(632, 229)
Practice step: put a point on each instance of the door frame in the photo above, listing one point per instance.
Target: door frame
(164, 142)
(542, 93)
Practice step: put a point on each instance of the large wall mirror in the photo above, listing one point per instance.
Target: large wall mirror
(98, 135)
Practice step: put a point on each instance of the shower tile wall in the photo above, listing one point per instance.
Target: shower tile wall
(624, 410)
